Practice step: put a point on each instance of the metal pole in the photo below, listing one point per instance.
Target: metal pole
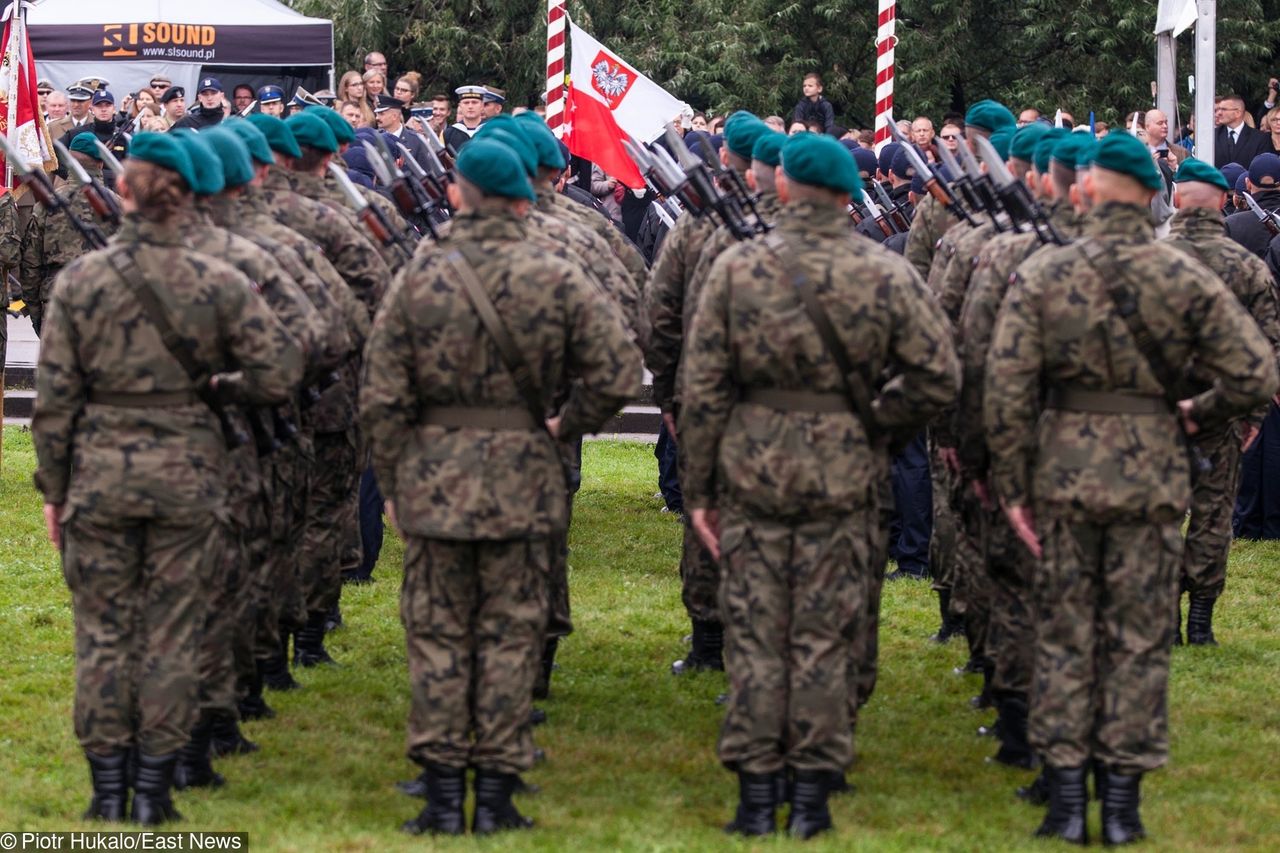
(1206, 76)
(1167, 77)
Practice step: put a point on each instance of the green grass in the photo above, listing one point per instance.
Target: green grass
(631, 749)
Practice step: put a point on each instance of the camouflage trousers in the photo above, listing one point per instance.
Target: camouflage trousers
(277, 588)
(699, 573)
(792, 597)
(474, 614)
(864, 643)
(1213, 498)
(1011, 627)
(971, 585)
(138, 591)
(332, 519)
(560, 616)
(1105, 597)
(952, 547)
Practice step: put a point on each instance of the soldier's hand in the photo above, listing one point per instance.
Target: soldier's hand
(1186, 411)
(669, 420)
(389, 508)
(52, 514)
(951, 457)
(553, 426)
(1251, 433)
(984, 494)
(1024, 524)
(706, 523)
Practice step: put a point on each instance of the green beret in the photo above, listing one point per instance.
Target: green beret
(1044, 148)
(279, 137)
(989, 115)
(237, 168)
(1128, 155)
(818, 160)
(1002, 141)
(543, 140)
(165, 150)
(207, 166)
(342, 129)
(515, 141)
(1086, 148)
(311, 131)
(1025, 140)
(1067, 150)
(495, 169)
(1200, 172)
(741, 135)
(254, 139)
(768, 148)
(84, 144)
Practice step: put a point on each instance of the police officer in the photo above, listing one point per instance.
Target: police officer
(271, 100)
(210, 108)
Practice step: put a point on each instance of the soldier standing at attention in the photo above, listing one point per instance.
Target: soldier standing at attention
(1199, 230)
(1097, 484)
(139, 340)
(781, 482)
(464, 359)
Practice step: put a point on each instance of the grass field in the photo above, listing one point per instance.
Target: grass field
(631, 749)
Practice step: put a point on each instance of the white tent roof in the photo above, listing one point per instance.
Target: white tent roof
(223, 12)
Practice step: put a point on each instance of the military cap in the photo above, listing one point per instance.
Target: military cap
(768, 148)
(279, 136)
(206, 165)
(342, 129)
(76, 92)
(543, 140)
(161, 78)
(237, 167)
(209, 84)
(818, 160)
(387, 102)
(85, 143)
(270, 93)
(1066, 148)
(1232, 172)
(1264, 170)
(1241, 185)
(741, 132)
(989, 115)
(1044, 148)
(1198, 171)
(494, 95)
(866, 160)
(93, 83)
(1002, 141)
(885, 159)
(311, 131)
(164, 150)
(902, 165)
(44, 87)
(255, 140)
(173, 93)
(516, 142)
(470, 93)
(1025, 140)
(102, 96)
(1086, 148)
(494, 169)
(1129, 156)
(325, 96)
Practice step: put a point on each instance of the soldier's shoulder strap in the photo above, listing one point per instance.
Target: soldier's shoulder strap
(856, 385)
(510, 354)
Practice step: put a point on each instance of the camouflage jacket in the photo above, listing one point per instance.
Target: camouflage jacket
(51, 242)
(162, 462)
(1059, 330)
(954, 283)
(991, 276)
(325, 191)
(930, 223)
(10, 249)
(751, 332)
(664, 302)
(623, 249)
(428, 348)
(769, 206)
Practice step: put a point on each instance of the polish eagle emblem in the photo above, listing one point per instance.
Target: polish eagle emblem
(610, 79)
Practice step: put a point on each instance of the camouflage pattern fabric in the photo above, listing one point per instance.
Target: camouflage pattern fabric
(10, 252)
(864, 643)
(664, 303)
(325, 191)
(331, 517)
(930, 223)
(623, 249)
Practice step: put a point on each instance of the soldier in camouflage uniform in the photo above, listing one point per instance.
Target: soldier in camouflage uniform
(10, 252)
(445, 417)
(131, 464)
(1199, 231)
(781, 482)
(50, 242)
(1089, 463)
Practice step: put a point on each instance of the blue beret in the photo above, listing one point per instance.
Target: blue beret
(163, 149)
(1002, 141)
(1232, 172)
(279, 137)
(311, 131)
(255, 141)
(902, 165)
(494, 169)
(1264, 170)
(516, 142)
(1201, 172)
(1044, 148)
(699, 141)
(820, 161)
(768, 148)
(885, 159)
(1240, 185)
(342, 129)
(989, 115)
(357, 160)
(84, 144)
(1025, 140)
(206, 165)
(741, 135)
(237, 167)
(866, 160)
(1128, 155)
(543, 140)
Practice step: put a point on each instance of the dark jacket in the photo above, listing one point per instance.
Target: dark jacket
(1250, 144)
(819, 110)
(197, 118)
(1247, 230)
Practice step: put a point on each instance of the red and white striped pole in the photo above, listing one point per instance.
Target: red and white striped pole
(885, 42)
(556, 20)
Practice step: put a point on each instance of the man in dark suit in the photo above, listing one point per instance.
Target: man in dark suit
(1236, 142)
(390, 113)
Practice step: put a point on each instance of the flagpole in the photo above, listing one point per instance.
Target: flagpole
(556, 19)
(886, 40)
(1206, 77)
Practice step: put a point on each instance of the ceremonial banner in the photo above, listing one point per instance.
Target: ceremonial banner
(20, 118)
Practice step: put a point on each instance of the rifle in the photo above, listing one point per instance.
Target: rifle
(886, 227)
(961, 186)
(40, 185)
(672, 182)
(1016, 199)
(1266, 217)
(932, 183)
(372, 217)
(896, 217)
(245, 112)
(732, 206)
(103, 203)
(667, 208)
(109, 157)
(435, 178)
(409, 196)
(982, 186)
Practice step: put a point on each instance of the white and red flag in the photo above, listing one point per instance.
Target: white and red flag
(21, 121)
(609, 101)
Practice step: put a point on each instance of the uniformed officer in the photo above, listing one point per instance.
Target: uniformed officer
(174, 104)
(470, 115)
(208, 110)
(271, 100)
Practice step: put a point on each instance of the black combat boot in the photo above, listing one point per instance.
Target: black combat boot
(1121, 823)
(542, 687)
(1037, 793)
(253, 706)
(446, 791)
(1200, 621)
(951, 625)
(1014, 750)
(275, 669)
(308, 643)
(494, 809)
(110, 786)
(758, 797)
(415, 787)
(809, 812)
(194, 768)
(152, 802)
(227, 739)
(984, 700)
(707, 649)
(1068, 797)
